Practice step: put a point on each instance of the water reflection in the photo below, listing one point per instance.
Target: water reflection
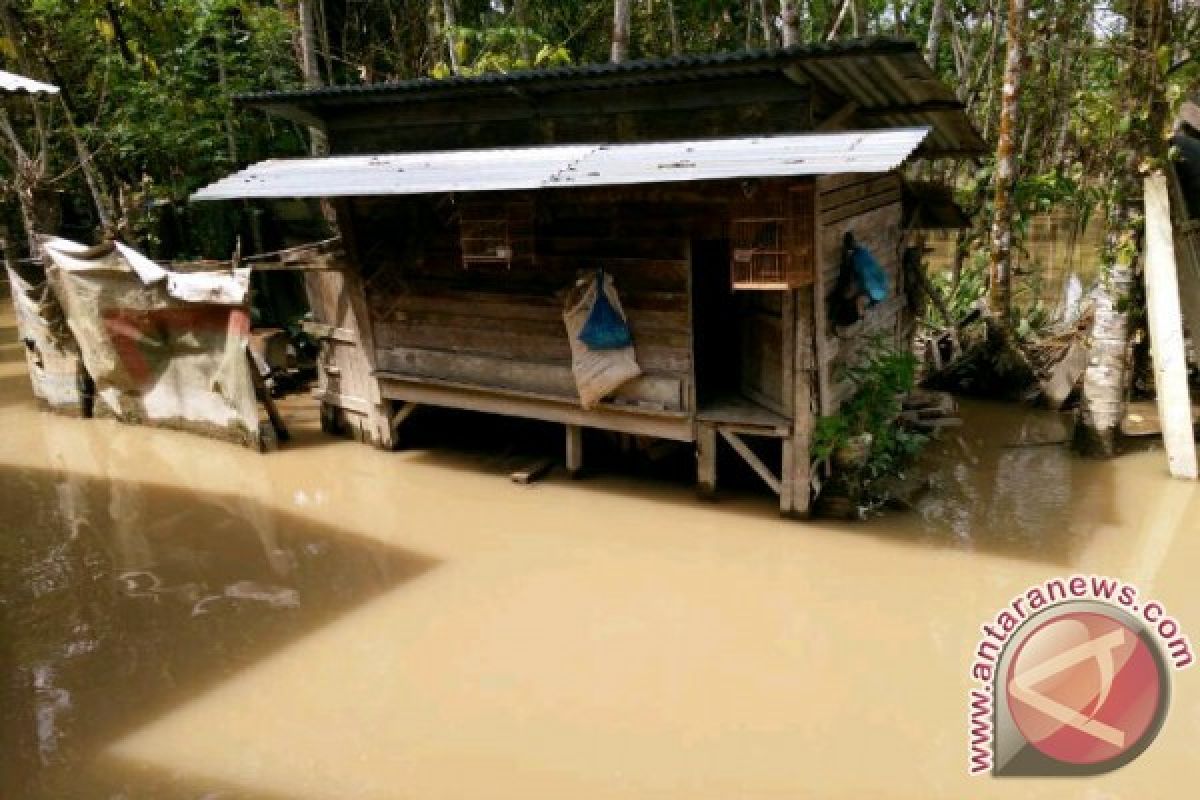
(1007, 482)
(122, 599)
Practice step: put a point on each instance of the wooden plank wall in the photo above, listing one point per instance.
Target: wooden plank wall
(762, 350)
(728, 106)
(344, 378)
(870, 207)
(497, 327)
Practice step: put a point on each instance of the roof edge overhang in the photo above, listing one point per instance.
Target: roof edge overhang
(571, 166)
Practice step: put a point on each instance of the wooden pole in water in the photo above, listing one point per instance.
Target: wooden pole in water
(1166, 332)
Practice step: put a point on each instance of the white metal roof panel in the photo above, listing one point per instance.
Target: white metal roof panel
(12, 82)
(564, 166)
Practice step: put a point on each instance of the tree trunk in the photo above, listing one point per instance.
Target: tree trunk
(620, 31)
(933, 43)
(226, 95)
(836, 25)
(858, 10)
(309, 68)
(518, 10)
(104, 210)
(450, 24)
(322, 26)
(1104, 382)
(790, 12)
(1000, 267)
(28, 171)
(764, 19)
(673, 26)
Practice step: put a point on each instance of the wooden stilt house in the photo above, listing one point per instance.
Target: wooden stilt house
(716, 192)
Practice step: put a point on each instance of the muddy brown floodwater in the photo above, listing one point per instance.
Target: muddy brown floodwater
(185, 619)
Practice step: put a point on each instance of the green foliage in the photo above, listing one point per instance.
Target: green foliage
(881, 378)
(501, 49)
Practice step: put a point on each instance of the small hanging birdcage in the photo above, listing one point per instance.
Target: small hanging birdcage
(496, 233)
(772, 240)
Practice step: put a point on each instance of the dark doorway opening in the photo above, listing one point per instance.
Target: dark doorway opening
(716, 322)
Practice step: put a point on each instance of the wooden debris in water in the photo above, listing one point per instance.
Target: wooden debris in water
(1059, 359)
(1141, 419)
(930, 411)
(532, 471)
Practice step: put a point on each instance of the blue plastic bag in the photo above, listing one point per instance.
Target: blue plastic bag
(605, 328)
(871, 276)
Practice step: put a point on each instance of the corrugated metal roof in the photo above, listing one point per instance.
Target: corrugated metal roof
(566, 166)
(12, 82)
(887, 79)
(641, 70)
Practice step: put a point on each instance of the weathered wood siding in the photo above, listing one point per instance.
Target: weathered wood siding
(497, 327)
(717, 107)
(870, 207)
(344, 378)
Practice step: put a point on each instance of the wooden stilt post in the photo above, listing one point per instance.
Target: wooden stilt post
(574, 450)
(795, 495)
(1166, 332)
(706, 460)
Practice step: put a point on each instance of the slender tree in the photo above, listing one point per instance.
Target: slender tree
(450, 24)
(933, 42)
(789, 11)
(522, 21)
(673, 27)
(620, 31)
(1000, 271)
(309, 66)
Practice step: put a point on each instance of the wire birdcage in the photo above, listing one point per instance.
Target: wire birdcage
(772, 240)
(496, 233)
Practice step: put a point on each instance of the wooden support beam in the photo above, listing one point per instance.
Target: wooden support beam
(706, 460)
(823, 355)
(838, 118)
(795, 496)
(676, 425)
(574, 450)
(403, 412)
(751, 458)
(264, 397)
(1166, 332)
(915, 108)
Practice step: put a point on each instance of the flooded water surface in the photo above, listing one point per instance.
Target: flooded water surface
(182, 618)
